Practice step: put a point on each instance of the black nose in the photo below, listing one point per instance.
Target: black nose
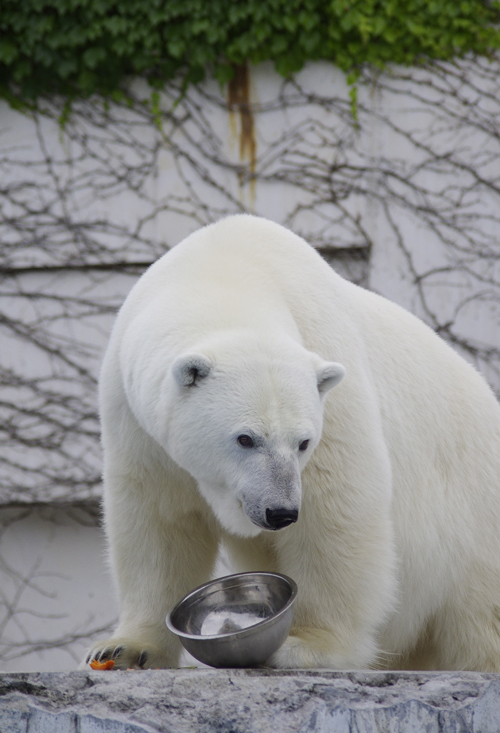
(279, 518)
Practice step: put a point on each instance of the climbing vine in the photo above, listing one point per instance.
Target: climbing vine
(81, 47)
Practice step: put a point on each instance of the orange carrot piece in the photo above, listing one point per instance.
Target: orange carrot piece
(102, 665)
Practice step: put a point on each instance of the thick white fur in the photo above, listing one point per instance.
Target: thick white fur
(396, 551)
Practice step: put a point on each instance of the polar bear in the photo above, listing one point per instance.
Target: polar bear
(226, 420)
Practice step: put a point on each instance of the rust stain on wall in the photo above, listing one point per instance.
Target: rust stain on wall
(238, 98)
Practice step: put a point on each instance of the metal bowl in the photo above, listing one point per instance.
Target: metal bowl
(236, 621)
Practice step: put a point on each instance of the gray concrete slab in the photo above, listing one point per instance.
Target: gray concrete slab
(249, 701)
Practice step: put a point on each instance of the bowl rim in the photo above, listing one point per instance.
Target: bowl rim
(249, 630)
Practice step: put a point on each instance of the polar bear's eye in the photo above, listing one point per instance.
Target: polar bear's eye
(303, 445)
(246, 441)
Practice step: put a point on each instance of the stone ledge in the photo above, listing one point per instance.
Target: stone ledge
(249, 701)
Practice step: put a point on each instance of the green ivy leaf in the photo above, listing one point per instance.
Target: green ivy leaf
(93, 56)
(8, 52)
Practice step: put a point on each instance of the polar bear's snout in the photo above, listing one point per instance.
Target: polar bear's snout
(280, 518)
(272, 498)
(273, 517)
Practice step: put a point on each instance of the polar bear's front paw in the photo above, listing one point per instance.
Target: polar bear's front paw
(126, 654)
(317, 648)
(295, 653)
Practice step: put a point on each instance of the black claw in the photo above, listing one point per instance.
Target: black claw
(105, 654)
(89, 657)
(143, 658)
(117, 652)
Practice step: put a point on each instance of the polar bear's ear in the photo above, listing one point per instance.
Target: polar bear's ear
(190, 368)
(329, 374)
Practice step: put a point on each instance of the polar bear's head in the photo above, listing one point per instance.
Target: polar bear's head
(243, 421)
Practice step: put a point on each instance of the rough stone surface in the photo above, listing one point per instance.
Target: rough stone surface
(249, 701)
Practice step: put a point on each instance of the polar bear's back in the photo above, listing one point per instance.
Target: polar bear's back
(241, 271)
(240, 251)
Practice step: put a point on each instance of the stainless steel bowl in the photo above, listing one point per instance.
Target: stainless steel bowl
(236, 621)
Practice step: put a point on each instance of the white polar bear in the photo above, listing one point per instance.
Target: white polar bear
(217, 428)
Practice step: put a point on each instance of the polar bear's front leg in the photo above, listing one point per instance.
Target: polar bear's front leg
(159, 552)
(310, 648)
(341, 554)
(335, 626)
(339, 611)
